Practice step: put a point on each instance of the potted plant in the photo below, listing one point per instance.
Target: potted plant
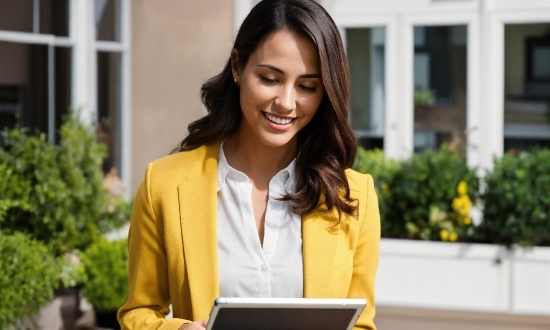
(106, 286)
(416, 196)
(55, 193)
(426, 198)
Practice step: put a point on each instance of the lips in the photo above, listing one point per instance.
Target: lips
(278, 120)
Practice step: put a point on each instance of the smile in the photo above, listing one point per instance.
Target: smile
(277, 120)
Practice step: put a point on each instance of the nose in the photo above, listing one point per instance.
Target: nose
(286, 98)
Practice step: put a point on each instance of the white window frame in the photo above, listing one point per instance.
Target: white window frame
(391, 122)
(493, 76)
(85, 50)
(473, 88)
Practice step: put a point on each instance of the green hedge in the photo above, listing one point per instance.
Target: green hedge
(419, 197)
(28, 276)
(517, 200)
(416, 195)
(54, 192)
(382, 171)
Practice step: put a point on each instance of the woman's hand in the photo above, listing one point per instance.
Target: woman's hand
(197, 325)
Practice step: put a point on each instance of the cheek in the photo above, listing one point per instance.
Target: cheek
(253, 95)
(310, 105)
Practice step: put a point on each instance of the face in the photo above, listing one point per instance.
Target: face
(280, 89)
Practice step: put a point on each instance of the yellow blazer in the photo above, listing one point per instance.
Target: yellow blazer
(173, 245)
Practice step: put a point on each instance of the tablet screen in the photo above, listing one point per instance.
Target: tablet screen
(282, 319)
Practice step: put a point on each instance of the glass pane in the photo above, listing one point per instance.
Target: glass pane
(16, 15)
(366, 56)
(24, 85)
(527, 86)
(107, 20)
(440, 69)
(54, 17)
(63, 60)
(109, 107)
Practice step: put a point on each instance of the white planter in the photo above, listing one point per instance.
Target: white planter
(48, 317)
(462, 276)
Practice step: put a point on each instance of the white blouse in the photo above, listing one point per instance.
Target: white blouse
(245, 269)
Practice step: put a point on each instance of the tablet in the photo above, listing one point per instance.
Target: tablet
(284, 314)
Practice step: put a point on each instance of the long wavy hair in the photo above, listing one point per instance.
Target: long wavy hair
(326, 145)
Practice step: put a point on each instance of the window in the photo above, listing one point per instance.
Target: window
(440, 69)
(527, 86)
(109, 48)
(109, 106)
(45, 68)
(35, 77)
(366, 56)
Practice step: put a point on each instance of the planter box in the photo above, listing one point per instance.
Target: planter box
(464, 277)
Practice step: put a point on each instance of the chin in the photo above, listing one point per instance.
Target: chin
(277, 141)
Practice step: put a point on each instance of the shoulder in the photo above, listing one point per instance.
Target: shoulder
(362, 189)
(358, 182)
(175, 168)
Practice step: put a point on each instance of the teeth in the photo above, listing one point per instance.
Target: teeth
(278, 120)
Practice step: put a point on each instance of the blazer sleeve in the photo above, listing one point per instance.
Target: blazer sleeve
(149, 294)
(365, 260)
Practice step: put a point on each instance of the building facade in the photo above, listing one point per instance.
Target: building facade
(132, 69)
(475, 73)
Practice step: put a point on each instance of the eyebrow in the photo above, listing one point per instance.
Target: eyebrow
(307, 75)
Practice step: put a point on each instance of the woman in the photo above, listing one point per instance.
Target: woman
(259, 200)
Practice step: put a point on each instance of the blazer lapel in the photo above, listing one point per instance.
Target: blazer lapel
(198, 217)
(320, 241)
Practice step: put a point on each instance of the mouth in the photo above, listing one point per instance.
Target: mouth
(279, 120)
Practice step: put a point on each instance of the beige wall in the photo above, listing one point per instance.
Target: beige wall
(514, 55)
(176, 46)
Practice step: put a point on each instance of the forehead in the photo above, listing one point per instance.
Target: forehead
(289, 52)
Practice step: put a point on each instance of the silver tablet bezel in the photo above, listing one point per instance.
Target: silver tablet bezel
(320, 303)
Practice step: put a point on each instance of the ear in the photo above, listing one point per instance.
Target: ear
(235, 66)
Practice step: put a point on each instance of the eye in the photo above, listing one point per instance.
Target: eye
(267, 80)
(308, 89)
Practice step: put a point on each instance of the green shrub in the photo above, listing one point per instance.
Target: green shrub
(517, 200)
(55, 192)
(423, 191)
(106, 266)
(416, 196)
(382, 171)
(28, 276)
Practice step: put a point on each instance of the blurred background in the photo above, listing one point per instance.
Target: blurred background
(444, 92)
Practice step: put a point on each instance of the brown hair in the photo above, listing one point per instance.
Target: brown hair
(326, 146)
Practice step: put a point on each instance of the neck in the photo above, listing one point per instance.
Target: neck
(256, 159)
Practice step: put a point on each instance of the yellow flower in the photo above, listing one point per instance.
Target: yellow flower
(444, 234)
(453, 237)
(462, 188)
(462, 203)
(467, 221)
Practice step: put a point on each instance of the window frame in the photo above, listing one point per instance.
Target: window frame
(391, 123)
(84, 47)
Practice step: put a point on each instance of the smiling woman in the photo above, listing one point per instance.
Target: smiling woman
(258, 200)
(281, 89)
